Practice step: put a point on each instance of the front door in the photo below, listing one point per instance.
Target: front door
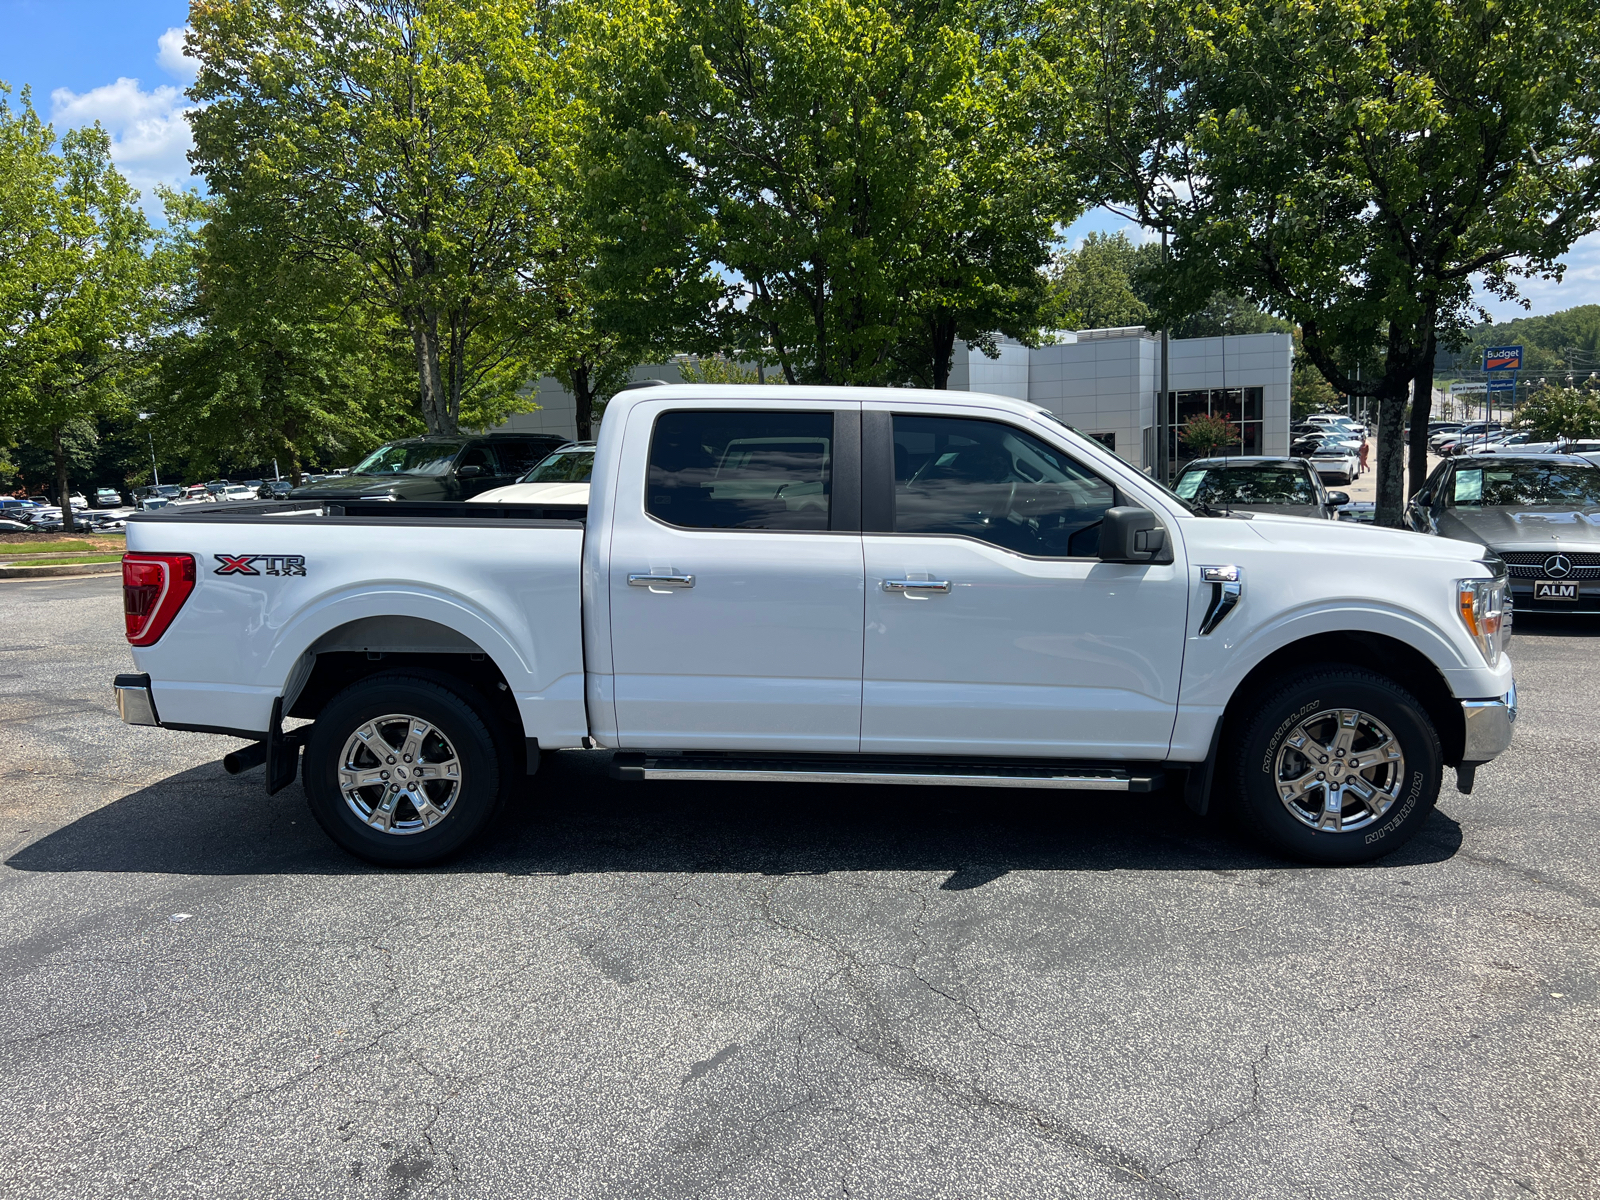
(991, 626)
(736, 583)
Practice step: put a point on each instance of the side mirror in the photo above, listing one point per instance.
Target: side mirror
(468, 472)
(1338, 499)
(1132, 535)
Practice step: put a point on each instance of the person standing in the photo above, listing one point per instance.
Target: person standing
(1362, 468)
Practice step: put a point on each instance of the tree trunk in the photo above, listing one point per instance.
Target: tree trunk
(431, 399)
(944, 348)
(584, 399)
(63, 492)
(1421, 411)
(458, 367)
(1392, 452)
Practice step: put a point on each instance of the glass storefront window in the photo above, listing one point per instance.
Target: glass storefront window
(1242, 406)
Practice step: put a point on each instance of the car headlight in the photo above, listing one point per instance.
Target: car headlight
(1485, 609)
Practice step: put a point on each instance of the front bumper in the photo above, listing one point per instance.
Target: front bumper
(1488, 724)
(1587, 603)
(134, 703)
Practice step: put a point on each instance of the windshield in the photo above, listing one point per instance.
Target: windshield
(1247, 483)
(1514, 484)
(564, 466)
(409, 458)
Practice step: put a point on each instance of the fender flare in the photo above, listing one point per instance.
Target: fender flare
(336, 609)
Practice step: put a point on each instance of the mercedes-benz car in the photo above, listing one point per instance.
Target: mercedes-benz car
(1538, 512)
(1257, 483)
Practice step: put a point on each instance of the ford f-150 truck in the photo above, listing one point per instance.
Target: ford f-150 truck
(827, 585)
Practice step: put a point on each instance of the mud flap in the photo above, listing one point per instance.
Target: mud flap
(283, 751)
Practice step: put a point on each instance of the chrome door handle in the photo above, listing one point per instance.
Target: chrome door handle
(916, 585)
(652, 581)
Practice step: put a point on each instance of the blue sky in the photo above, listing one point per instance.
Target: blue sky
(120, 64)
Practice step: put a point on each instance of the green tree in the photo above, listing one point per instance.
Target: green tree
(713, 369)
(73, 273)
(1093, 286)
(1561, 413)
(417, 139)
(839, 187)
(266, 357)
(1351, 165)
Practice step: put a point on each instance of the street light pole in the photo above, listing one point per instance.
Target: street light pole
(154, 470)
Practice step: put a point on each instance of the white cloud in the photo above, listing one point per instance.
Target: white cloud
(1580, 284)
(169, 53)
(150, 135)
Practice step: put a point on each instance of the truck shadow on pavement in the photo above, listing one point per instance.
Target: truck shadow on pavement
(573, 819)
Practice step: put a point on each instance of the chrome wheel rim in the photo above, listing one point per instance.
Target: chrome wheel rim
(399, 774)
(1340, 770)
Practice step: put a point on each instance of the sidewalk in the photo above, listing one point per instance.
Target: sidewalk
(1365, 487)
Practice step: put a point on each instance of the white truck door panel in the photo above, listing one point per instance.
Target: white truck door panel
(1024, 643)
(752, 638)
(1021, 656)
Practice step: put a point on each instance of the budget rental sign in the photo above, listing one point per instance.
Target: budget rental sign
(1502, 358)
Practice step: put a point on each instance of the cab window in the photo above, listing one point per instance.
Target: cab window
(986, 480)
(741, 470)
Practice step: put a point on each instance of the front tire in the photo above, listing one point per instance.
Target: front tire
(1337, 765)
(402, 771)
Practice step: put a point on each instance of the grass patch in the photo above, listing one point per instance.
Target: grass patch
(34, 547)
(22, 544)
(63, 562)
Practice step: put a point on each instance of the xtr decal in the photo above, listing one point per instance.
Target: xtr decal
(271, 564)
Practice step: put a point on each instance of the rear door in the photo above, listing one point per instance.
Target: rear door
(736, 578)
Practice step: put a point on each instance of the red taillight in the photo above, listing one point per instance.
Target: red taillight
(154, 587)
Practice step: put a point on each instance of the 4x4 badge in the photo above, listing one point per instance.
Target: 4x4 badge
(271, 564)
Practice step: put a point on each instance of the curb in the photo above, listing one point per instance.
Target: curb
(62, 569)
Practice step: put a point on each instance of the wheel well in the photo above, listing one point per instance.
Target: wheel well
(375, 645)
(1376, 652)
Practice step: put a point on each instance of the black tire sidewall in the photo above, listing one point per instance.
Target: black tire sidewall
(1276, 718)
(456, 718)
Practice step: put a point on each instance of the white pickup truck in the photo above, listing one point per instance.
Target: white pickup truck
(827, 585)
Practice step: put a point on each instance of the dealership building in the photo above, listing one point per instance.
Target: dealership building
(1103, 382)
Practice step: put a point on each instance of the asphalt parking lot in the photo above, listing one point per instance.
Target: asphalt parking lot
(715, 991)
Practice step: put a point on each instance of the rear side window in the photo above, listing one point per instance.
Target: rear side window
(986, 480)
(741, 470)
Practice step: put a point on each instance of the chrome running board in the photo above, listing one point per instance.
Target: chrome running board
(637, 765)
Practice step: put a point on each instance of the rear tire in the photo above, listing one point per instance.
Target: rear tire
(402, 771)
(1336, 765)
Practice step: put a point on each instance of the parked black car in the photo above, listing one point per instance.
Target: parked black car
(275, 489)
(1538, 512)
(435, 468)
(1258, 484)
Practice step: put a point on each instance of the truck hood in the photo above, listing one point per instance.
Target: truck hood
(535, 493)
(1360, 540)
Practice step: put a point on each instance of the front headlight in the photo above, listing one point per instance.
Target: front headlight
(1485, 609)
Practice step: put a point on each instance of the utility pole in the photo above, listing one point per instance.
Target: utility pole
(1163, 406)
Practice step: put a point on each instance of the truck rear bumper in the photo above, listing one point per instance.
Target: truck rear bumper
(134, 703)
